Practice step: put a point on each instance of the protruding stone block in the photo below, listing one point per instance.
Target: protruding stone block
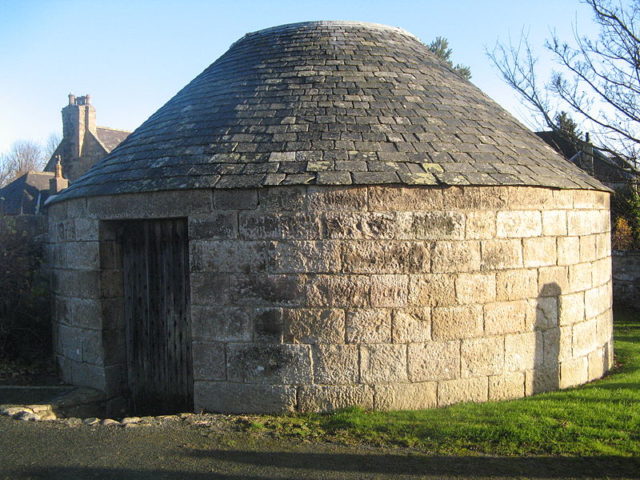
(81, 255)
(588, 248)
(375, 257)
(558, 345)
(276, 199)
(278, 226)
(546, 315)
(604, 327)
(209, 288)
(360, 225)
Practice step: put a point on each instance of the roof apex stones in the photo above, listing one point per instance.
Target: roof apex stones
(328, 103)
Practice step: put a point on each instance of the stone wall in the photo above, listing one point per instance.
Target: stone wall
(75, 263)
(315, 298)
(626, 278)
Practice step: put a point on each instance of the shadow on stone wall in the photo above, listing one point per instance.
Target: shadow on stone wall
(546, 372)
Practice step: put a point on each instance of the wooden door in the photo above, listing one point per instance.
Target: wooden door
(156, 303)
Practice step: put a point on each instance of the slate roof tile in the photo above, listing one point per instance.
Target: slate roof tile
(331, 103)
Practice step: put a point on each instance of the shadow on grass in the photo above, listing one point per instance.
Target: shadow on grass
(616, 386)
(252, 465)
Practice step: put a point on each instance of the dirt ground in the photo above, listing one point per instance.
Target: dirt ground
(42, 450)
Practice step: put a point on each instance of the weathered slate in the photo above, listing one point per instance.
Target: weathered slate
(332, 103)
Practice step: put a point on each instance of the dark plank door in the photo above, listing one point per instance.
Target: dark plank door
(155, 258)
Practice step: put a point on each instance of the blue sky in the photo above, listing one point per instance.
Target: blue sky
(134, 55)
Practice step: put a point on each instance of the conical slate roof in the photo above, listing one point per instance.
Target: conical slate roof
(332, 103)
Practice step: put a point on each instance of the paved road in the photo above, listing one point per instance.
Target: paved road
(53, 451)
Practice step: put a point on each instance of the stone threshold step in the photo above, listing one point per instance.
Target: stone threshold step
(50, 402)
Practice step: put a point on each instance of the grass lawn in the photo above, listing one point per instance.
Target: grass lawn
(601, 418)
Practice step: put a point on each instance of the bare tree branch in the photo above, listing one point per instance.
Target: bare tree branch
(23, 157)
(598, 78)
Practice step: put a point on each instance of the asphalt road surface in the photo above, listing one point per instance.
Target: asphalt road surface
(44, 450)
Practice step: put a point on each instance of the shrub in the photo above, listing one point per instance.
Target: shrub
(622, 235)
(625, 213)
(25, 327)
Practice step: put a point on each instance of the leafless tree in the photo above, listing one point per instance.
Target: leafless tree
(50, 146)
(598, 79)
(23, 157)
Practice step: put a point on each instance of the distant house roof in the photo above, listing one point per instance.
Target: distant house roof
(110, 137)
(26, 194)
(606, 168)
(82, 145)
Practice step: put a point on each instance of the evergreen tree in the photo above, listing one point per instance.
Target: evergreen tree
(440, 47)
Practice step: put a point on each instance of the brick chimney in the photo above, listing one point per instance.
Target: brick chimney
(78, 118)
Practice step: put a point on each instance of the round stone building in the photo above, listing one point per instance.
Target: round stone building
(329, 216)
